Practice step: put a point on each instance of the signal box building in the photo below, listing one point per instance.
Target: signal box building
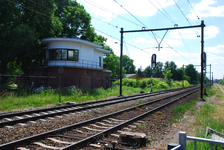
(76, 61)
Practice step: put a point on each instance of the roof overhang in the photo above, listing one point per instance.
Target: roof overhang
(46, 41)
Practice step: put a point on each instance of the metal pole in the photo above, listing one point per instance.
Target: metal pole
(183, 78)
(121, 62)
(182, 140)
(202, 50)
(59, 88)
(210, 76)
(151, 79)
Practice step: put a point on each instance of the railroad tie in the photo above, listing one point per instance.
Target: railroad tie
(105, 124)
(22, 148)
(46, 146)
(117, 120)
(95, 145)
(97, 130)
(58, 141)
(101, 127)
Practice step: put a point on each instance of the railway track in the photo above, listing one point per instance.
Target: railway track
(96, 129)
(19, 118)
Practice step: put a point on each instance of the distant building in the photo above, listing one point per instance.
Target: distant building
(81, 63)
(131, 76)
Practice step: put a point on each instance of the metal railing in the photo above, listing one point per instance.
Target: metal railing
(80, 63)
(183, 138)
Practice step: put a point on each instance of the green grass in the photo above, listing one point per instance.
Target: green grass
(210, 115)
(20, 100)
(181, 109)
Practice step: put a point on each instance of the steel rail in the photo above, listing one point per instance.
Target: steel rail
(92, 138)
(23, 120)
(27, 140)
(73, 105)
(81, 104)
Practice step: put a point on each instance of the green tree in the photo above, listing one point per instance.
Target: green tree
(168, 76)
(171, 66)
(180, 73)
(74, 18)
(139, 72)
(147, 71)
(21, 30)
(158, 71)
(191, 72)
(128, 64)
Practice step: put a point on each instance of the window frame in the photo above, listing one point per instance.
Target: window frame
(53, 55)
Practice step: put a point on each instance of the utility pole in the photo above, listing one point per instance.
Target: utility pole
(202, 25)
(183, 78)
(202, 50)
(210, 76)
(121, 57)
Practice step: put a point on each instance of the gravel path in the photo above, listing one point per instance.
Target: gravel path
(221, 88)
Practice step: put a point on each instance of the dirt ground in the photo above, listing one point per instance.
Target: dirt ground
(185, 124)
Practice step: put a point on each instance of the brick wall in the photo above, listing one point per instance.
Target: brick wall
(81, 77)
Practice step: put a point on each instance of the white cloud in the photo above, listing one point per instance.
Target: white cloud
(171, 42)
(219, 49)
(204, 10)
(209, 32)
(143, 8)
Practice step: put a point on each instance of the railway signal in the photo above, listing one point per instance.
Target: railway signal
(153, 66)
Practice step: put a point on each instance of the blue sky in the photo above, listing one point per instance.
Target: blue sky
(181, 46)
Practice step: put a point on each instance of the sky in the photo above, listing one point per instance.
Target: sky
(183, 46)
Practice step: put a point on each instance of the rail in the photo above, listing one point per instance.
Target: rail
(183, 138)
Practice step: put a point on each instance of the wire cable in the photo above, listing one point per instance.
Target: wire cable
(193, 10)
(109, 11)
(161, 12)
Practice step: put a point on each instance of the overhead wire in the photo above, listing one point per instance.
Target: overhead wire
(193, 10)
(52, 17)
(30, 9)
(161, 12)
(185, 17)
(109, 11)
(127, 43)
(172, 22)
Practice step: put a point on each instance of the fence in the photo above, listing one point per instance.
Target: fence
(183, 137)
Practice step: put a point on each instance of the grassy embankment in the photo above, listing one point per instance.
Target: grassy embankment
(18, 100)
(209, 115)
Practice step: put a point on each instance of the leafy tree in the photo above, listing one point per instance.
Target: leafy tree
(179, 74)
(74, 18)
(21, 30)
(128, 64)
(147, 71)
(168, 76)
(191, 72)
(158, 71)
(139, 72)
(171, 66)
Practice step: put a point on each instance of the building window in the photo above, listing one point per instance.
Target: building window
(64, 54)
(70, 55)
(99, 61)
(76, 55)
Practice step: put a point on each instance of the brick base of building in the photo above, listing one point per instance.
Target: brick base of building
(71, 76)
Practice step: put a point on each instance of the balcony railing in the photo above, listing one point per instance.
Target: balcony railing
(80, 63)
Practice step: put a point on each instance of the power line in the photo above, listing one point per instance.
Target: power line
(161, 12)
(127, 43)
(109, 11)
(30, 9)
(166, 13)
(193, 10)
(185, 17)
